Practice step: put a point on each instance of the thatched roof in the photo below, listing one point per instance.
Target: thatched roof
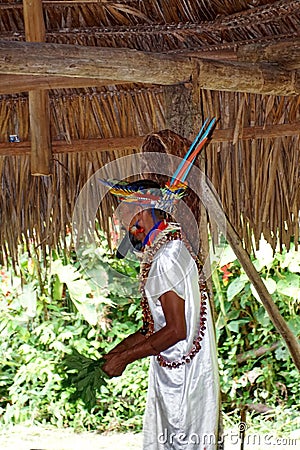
(84, 82)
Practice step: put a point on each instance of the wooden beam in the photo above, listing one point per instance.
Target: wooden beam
(35, 30)
(285, 53)
(72, 2)
(12, 84)
(258, 132)
(39, 105)
(78, 145)
(140, 67)
(92, 62)
(134, 142)
(41, 148)
(248, 77)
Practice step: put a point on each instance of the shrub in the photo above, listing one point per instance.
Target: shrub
(45, 313)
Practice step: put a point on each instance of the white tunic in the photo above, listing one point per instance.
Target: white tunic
(182, 410)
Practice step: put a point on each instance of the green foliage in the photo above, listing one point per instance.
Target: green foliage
(86, 376)
(124, 399)
(52, 307)
(268, 376)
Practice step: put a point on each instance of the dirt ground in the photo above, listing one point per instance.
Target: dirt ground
(38, 438)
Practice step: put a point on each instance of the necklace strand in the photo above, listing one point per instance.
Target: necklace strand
(165, 236)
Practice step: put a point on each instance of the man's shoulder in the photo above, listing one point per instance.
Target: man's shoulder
(171, 252)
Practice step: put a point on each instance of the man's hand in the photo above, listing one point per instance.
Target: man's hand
(115, 364)
(116, 360)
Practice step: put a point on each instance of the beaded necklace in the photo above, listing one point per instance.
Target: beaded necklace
(172, 232)
(151, 235)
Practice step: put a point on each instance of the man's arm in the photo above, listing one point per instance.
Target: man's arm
(128, 342)
(173, 332)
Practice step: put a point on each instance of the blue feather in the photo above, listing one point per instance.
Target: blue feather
(195, 142)
(205, 135)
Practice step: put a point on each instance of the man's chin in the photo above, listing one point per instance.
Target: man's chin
(131, 242)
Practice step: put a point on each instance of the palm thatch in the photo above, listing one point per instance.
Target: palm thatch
(253, 158)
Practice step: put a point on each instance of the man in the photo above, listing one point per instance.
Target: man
(182, 408)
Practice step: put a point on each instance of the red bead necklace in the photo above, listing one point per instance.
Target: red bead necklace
(170, 233)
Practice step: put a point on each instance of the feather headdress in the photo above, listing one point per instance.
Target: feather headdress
(166, 197)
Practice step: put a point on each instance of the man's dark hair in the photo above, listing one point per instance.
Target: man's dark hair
(143, 184)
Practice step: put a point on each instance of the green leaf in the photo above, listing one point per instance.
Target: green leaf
(290, 286)
(291, 260)
(88, 310)
(28, 299)
(233, 314)
(132, 309)
(66, 273)
(264, 255)
(234, 325)
(223, 255)
(57, 289)
(262, 317)
(78, 289)
(236, 286)
(281, 353)
(294, 324)
(220, 322)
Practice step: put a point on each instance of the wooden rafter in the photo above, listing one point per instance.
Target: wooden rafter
(80, 145)
(26, 58)
(91, 62)
(285, 53)
(39, 107)
(135, 142)
(12, 84)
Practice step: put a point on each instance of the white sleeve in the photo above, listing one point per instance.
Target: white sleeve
(169, 269)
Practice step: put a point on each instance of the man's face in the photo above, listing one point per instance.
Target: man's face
(128, 215)
(129, 218)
